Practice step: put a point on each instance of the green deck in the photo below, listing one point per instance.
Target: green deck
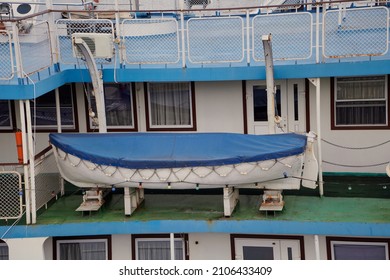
(210, 207)
(350, 206)
(346, 199)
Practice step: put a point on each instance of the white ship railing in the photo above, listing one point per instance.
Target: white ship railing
(6, 61)
(35, 48)
(15, 194)
(308, 34)
(11, 191)
(48, 184)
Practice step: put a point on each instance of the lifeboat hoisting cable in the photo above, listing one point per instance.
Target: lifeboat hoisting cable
(19, 145)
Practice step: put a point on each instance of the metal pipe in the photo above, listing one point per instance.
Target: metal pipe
(117, 19)
(317, 247)
(58, 110)
(248, 48)
(318, 109)
(19, 72)
(31, 155)
(317, 33)
(18, 59)
(97, 83)
(119, 45)
(269, 72)
(172, 242)
(25, 160)
(52, 33)
(183, 48)
(317, 83)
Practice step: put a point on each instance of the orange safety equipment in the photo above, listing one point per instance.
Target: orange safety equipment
(19, 145)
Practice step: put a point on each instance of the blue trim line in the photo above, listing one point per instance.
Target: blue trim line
(26, 91)
(194, 226)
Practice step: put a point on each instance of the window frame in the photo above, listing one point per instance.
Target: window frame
(233, 238)
(105, 238)
(277, 101)
(333, 92)
(133, 101)
(330, 241)
(12, 116)
(191, 127)
(54, 128)
(157, 237)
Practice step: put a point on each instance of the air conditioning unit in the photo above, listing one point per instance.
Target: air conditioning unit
(100, 44)
(22, 8)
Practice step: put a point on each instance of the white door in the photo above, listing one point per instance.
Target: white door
(267, 249)
(289, 105)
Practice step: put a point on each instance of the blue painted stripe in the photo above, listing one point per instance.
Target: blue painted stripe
(29, 91)
(195, 226)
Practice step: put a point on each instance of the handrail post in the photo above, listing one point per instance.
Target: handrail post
(183, 47)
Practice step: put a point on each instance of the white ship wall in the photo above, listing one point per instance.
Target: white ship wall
(219, 108)
(29, 248)
(121, 247)
(201, 246)
(209, 246)
(352, 138)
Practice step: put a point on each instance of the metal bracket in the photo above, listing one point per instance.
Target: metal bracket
(133, 197)
(272, 201)
(92, 200)
(230, 200)
(314, 81)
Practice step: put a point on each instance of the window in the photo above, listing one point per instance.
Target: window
(6, 119)
(3, 250)
(82, 248)
(360, 102)
(170, 106)
(43, 110)
(260, 103)
(158, 247)
(120, 107)
(296, 103)
(357, 248)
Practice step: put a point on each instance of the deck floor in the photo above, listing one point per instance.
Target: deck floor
(210, 207)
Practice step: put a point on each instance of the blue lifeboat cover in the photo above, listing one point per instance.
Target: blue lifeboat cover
(175, 150)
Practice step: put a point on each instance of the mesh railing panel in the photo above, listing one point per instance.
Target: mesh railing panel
(47, 179)
(149, 41)
(6, 57)
(196, 3)
(10, 195)
(65, 29)
(355, 32)
(186, 4)
(35, 48)
(291, 36)
(222, 42)
(154, 4)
